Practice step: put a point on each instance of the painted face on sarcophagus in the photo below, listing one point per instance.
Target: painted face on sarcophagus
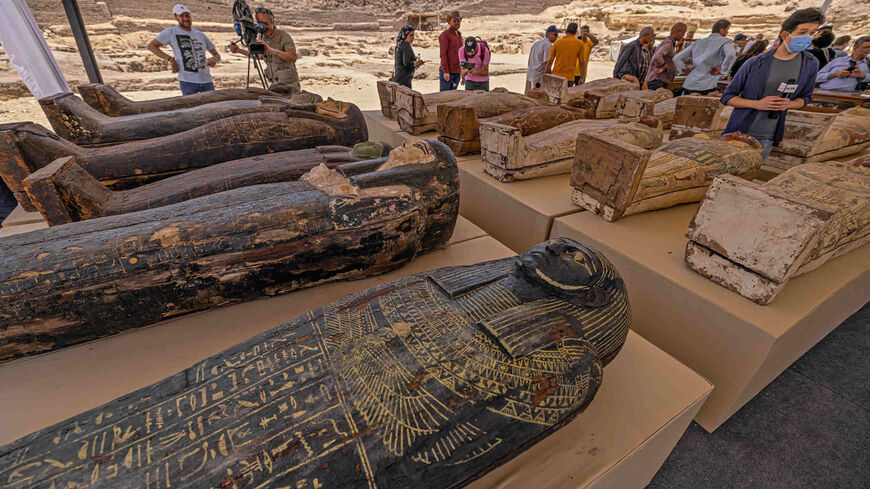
(568, 269)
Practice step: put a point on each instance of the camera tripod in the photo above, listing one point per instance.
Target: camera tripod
(253, 59)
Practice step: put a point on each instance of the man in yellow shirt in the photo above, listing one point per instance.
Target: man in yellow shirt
(565, 54)
(589, 41)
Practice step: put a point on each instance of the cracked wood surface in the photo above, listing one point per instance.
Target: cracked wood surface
(27, 147)
(516, 153)
(106, 100)
(459, 121)
(64, 192)
(432, 380)
(68, 284)
(753, 238)
(614, 179)
(74, 120)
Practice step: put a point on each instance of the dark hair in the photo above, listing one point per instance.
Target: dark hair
(824, 39)
(861, 40)
(264, 10)
(755, 49)
(572, 28)
(646, 31)
(721, 24)
(584, 27)
(842, 40)
(803, 16)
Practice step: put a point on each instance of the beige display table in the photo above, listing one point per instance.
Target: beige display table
(621, 440)
(519, 214)
(388, 131)
(20, 217)
(737, 344)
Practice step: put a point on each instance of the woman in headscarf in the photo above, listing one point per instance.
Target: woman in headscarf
(406, 61)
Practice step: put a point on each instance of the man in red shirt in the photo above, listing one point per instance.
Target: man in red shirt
(450, 41)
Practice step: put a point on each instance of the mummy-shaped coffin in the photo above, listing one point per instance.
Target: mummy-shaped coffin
(64, 192)
(546, 146)
(699, 114)
(600, 97)
(108, 101)
(459, 121)
(817, 134)
(753, 238)
(67, 284)
(27, 147)
(429, 381)
(652, 103)
(74, 120)
(415, 112)
(614, 179)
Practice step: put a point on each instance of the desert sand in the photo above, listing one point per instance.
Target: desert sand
(345, 64)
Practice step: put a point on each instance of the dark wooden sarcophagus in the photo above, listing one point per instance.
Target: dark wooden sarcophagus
(68, 284)
(107, 100)
(27, 147)
(429, 381)
(74, 120)
(64, 192)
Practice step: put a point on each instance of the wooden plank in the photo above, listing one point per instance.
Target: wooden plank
(68, 284)
(387, 97)
(74, 120)
(64, 192)
(401, 385)
(753, 238)
(108, 101)
(615, 179)
(459, 121)
(27, 147)
(417, 113)
(636, 103)
(508, 154)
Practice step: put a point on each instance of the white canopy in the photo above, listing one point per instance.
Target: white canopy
(28, 52)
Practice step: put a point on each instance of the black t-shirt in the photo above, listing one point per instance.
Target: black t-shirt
(404, 69)
(824, 55)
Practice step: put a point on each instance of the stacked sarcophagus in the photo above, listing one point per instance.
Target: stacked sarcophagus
(600, 97)
(813, 134)
(26, 147)
(615, 179)
(415, 112)
(459, 121)
(753, 238)
(67, 284)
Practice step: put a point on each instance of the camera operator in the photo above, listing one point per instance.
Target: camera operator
(280, 55)
(474, 62)
(188, 45)
(406, 62)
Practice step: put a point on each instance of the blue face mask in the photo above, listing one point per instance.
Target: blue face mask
(799, 43)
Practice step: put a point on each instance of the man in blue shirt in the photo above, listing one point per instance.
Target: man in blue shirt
(845, 73)
(770, 84)
(711, 57)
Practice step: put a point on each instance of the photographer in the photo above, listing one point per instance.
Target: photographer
(845, 73)
(406, 62)
(474, 62)
(188, 45)
(280, 55)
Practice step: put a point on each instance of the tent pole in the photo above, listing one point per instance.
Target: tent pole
(84, 44)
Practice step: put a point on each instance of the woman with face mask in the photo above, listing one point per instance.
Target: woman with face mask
(769, 85)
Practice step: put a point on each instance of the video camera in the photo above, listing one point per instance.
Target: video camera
(248, 30)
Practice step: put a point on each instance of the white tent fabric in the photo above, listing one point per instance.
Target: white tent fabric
(616, 46)
(28, 52)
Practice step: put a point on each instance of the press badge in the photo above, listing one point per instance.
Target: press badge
(785, 88)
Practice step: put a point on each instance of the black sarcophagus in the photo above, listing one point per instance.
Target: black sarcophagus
(27, 147)
(430, 381)
(72, 283)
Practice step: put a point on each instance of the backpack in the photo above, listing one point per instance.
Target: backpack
(479, 48)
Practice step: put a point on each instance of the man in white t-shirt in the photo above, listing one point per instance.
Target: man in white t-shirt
(189, 47)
